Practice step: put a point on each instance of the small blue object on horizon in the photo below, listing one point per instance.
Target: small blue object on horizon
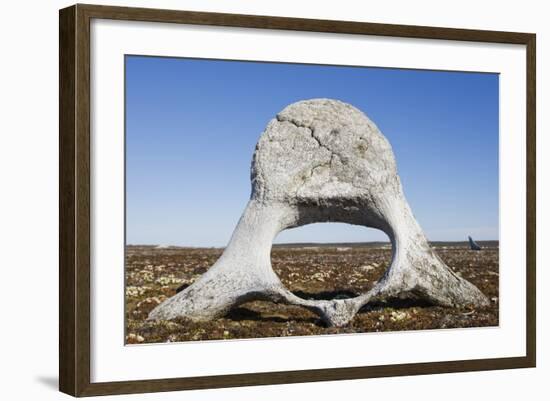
(192, 125)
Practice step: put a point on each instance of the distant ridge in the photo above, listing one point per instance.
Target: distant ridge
(376, 244)
(373, 244)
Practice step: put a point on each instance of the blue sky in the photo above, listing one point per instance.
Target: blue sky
(192, 125)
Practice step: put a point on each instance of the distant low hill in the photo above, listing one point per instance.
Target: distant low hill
(373, 244)
(377, 244)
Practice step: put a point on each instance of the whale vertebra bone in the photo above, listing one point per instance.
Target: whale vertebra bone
(321, 160)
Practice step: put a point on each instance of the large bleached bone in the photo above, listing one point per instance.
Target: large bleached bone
(321, 160)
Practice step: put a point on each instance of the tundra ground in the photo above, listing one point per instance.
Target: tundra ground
(310, 271)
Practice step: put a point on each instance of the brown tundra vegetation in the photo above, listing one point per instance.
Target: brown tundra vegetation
(316, 271)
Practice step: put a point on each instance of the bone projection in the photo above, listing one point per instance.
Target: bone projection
(321, 160)
(473, 245)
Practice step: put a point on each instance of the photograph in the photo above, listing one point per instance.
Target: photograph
(271, 199)
(276, 198)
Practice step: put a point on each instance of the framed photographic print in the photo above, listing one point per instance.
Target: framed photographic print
(250, 200)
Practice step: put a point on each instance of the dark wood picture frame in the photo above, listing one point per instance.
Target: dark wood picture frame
(74, 199)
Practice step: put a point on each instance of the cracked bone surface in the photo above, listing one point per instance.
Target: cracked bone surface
(321, 160)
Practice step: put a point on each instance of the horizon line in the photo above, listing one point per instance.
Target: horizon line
(348, 243)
